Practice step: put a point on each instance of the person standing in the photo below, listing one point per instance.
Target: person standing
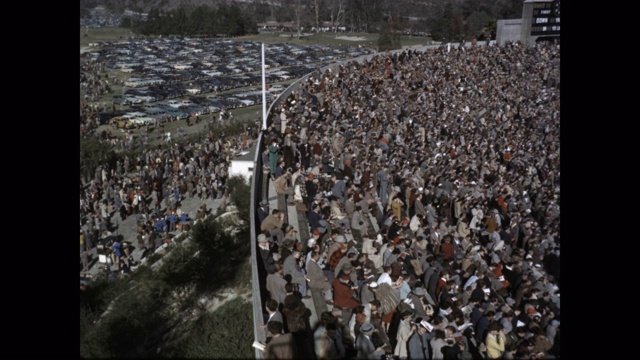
(292, 268)
(358, 225)
(338, 189)
(364, 346)
(343, 291)
(495, 341)
(275, 284)
(418, 345)
(273, 158)
(281, 346)
(316, 277)
(437, 343)
(405, 330)
(383, 181)
(266, 254)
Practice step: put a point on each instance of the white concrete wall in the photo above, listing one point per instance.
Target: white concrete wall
(244, 168)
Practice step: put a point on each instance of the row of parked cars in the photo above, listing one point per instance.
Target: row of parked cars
(141, 113)
(172, 79)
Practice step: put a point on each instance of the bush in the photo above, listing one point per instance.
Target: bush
(225, 333)
(240, 196)
(141, 306)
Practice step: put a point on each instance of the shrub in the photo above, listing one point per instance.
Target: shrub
(225, 333)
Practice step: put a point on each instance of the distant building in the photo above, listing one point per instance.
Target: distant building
(540, 22)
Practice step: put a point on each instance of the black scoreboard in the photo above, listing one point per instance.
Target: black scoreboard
(545, 19)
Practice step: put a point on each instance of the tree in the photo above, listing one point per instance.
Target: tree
(261, 10)
(390, 35)
(93, 153)
(337, 13)
(240, 195)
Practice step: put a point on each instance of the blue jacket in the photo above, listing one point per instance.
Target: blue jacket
(116, 248)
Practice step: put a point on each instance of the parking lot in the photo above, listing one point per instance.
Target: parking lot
(162, 80)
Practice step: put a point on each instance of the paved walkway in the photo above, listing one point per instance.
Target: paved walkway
(128, 229)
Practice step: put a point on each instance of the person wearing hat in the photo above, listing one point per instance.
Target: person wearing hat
(266, 254)
(418, 344)
(368, 292)
(273, 157)
(345, 266)
(263, 210)
(417, 298)
(365, 349)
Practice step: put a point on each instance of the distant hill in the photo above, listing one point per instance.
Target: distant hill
(118, 6)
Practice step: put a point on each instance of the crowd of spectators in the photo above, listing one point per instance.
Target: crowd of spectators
(152, 187)
(431, 185)
(94, 83)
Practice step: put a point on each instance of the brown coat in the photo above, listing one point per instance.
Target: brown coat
(296, 315)
(491, 224)
(271, 222)
(281, 347)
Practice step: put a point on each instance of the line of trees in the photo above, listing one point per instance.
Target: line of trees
(444, 20)
(224, 19)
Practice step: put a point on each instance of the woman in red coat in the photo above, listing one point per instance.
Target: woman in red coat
(343, 293)
(448, 250)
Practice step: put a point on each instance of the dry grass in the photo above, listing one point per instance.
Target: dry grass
(102, 34)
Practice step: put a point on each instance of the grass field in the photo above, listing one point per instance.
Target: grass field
(330, 39)
(102, 34)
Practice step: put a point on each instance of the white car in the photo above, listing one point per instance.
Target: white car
(247, 102)
(174, 103)
(276, 88)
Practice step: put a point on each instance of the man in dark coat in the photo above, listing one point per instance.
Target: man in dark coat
(266, 254)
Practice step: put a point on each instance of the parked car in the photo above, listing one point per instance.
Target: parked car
(174, 103)
(177, 114)
(120, 100)
(276, 88)
(122, 122)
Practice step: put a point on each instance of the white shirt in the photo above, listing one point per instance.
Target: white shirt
(385, 278)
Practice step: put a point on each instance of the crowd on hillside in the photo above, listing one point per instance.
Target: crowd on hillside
(152, 186)
(431, 185)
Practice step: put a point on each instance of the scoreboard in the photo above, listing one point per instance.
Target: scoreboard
(545, 18)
